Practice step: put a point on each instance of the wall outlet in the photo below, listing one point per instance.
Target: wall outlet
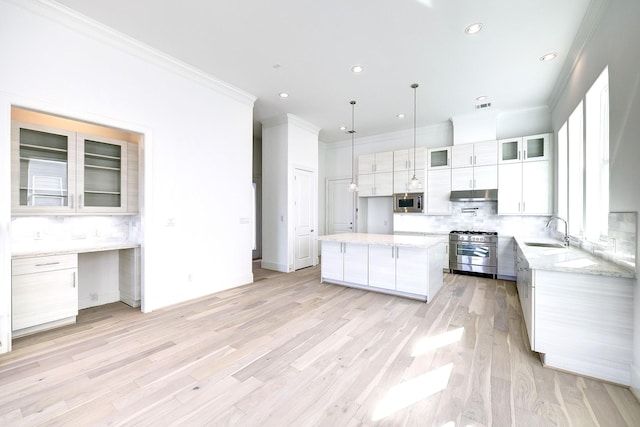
(190, 277)
(96, 232)
(37, 235)
(93, 297)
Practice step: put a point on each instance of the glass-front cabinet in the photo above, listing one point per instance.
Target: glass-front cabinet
(524, 149)
(63, 172)
(103, 185)
(439, 158)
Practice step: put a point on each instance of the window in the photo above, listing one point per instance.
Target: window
(597, 158)
(583, 164)
(575, 212)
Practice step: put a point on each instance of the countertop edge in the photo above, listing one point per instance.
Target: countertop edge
(385, 239)
(61, 250)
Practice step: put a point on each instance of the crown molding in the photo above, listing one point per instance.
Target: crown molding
(288, 118)
(76, 21)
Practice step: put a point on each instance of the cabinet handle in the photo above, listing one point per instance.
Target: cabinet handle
(397, 252)
(74, 279)
(518, 206)
(71, 198)
(48, 263)
(523, 208)
(470, 160)
(524, 156)
(80, 201)
(474, 159)
(518, 154)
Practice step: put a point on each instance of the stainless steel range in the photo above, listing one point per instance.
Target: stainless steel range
(474, 252)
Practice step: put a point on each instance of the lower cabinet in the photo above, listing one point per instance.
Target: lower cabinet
(506, 257)
(404, 270)
(44, 292)
(345, 262)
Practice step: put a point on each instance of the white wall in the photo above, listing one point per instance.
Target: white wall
(609, 45)
(196, 154)
(288, 142)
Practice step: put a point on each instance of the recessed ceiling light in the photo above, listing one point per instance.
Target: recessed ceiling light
(482, 98)
(473, 28)
(357, 69)
(283, 95)
(548, 57)
(400, 116)
(343, 128)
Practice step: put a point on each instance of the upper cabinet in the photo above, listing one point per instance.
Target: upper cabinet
(525, 184)
(408, 160)
(439, 158)
(524, 149)
(375, 162)
(477, 154)
(56, 171)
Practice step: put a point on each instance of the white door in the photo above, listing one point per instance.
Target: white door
(340, 203)
(304, 218)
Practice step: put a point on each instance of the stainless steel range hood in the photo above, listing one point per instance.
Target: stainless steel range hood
(474, 196)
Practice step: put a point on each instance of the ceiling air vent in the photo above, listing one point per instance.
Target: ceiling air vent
(483, 106)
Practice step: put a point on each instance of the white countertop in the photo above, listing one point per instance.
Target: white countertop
(386, 239)
(568, 259)
(72, 247)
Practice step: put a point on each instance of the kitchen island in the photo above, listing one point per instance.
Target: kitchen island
(408, 266)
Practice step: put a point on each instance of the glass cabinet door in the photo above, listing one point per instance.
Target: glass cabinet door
(536, 147)
(103, 169)
(509, 150)
(439, 158)
(42, 169)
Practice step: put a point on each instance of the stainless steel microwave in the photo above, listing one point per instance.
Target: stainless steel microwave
(408, 202)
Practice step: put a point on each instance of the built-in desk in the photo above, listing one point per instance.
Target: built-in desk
(51, 283)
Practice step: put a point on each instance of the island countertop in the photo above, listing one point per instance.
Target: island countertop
(385, 239)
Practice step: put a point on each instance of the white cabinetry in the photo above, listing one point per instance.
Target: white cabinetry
(402, 179)
(525, 184)
(382, 267)
(525, 189)
(57, 171)
(404, 159)
(525, 149)
(439, 192)
(375, 174)
(474, 166)
(44, 292)
(415, 271)
(439, 158)
(526, 294)
(477, 154)
(345, 262)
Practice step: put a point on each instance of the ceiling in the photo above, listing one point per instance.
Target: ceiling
(308, 47)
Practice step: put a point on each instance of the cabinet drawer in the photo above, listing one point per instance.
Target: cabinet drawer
(43, 263)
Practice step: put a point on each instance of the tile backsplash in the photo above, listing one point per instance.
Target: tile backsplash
(619, 246)
(29, 231)
(472, 216)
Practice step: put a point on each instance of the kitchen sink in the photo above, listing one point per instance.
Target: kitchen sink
(545, 245)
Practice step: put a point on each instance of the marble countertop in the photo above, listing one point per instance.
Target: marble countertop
(72, 247)
(386, 239)
(568, 259)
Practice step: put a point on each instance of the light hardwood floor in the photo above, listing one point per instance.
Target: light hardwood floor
(290, 351)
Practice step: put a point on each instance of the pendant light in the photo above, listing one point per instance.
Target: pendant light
(414, 184)
(353, 187)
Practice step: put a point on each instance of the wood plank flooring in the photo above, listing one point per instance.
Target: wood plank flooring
(290, 351)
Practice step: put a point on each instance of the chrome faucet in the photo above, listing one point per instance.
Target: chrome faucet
(566, 228)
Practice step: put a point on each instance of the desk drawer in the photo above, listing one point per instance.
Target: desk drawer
(41, 264)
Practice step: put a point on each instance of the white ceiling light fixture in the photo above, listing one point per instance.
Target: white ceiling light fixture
(414, 184)
(342, 128)
(283, 95)
(473, 28)
(548, 57)
(357, 69)
(482, 98)
(353, 187)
